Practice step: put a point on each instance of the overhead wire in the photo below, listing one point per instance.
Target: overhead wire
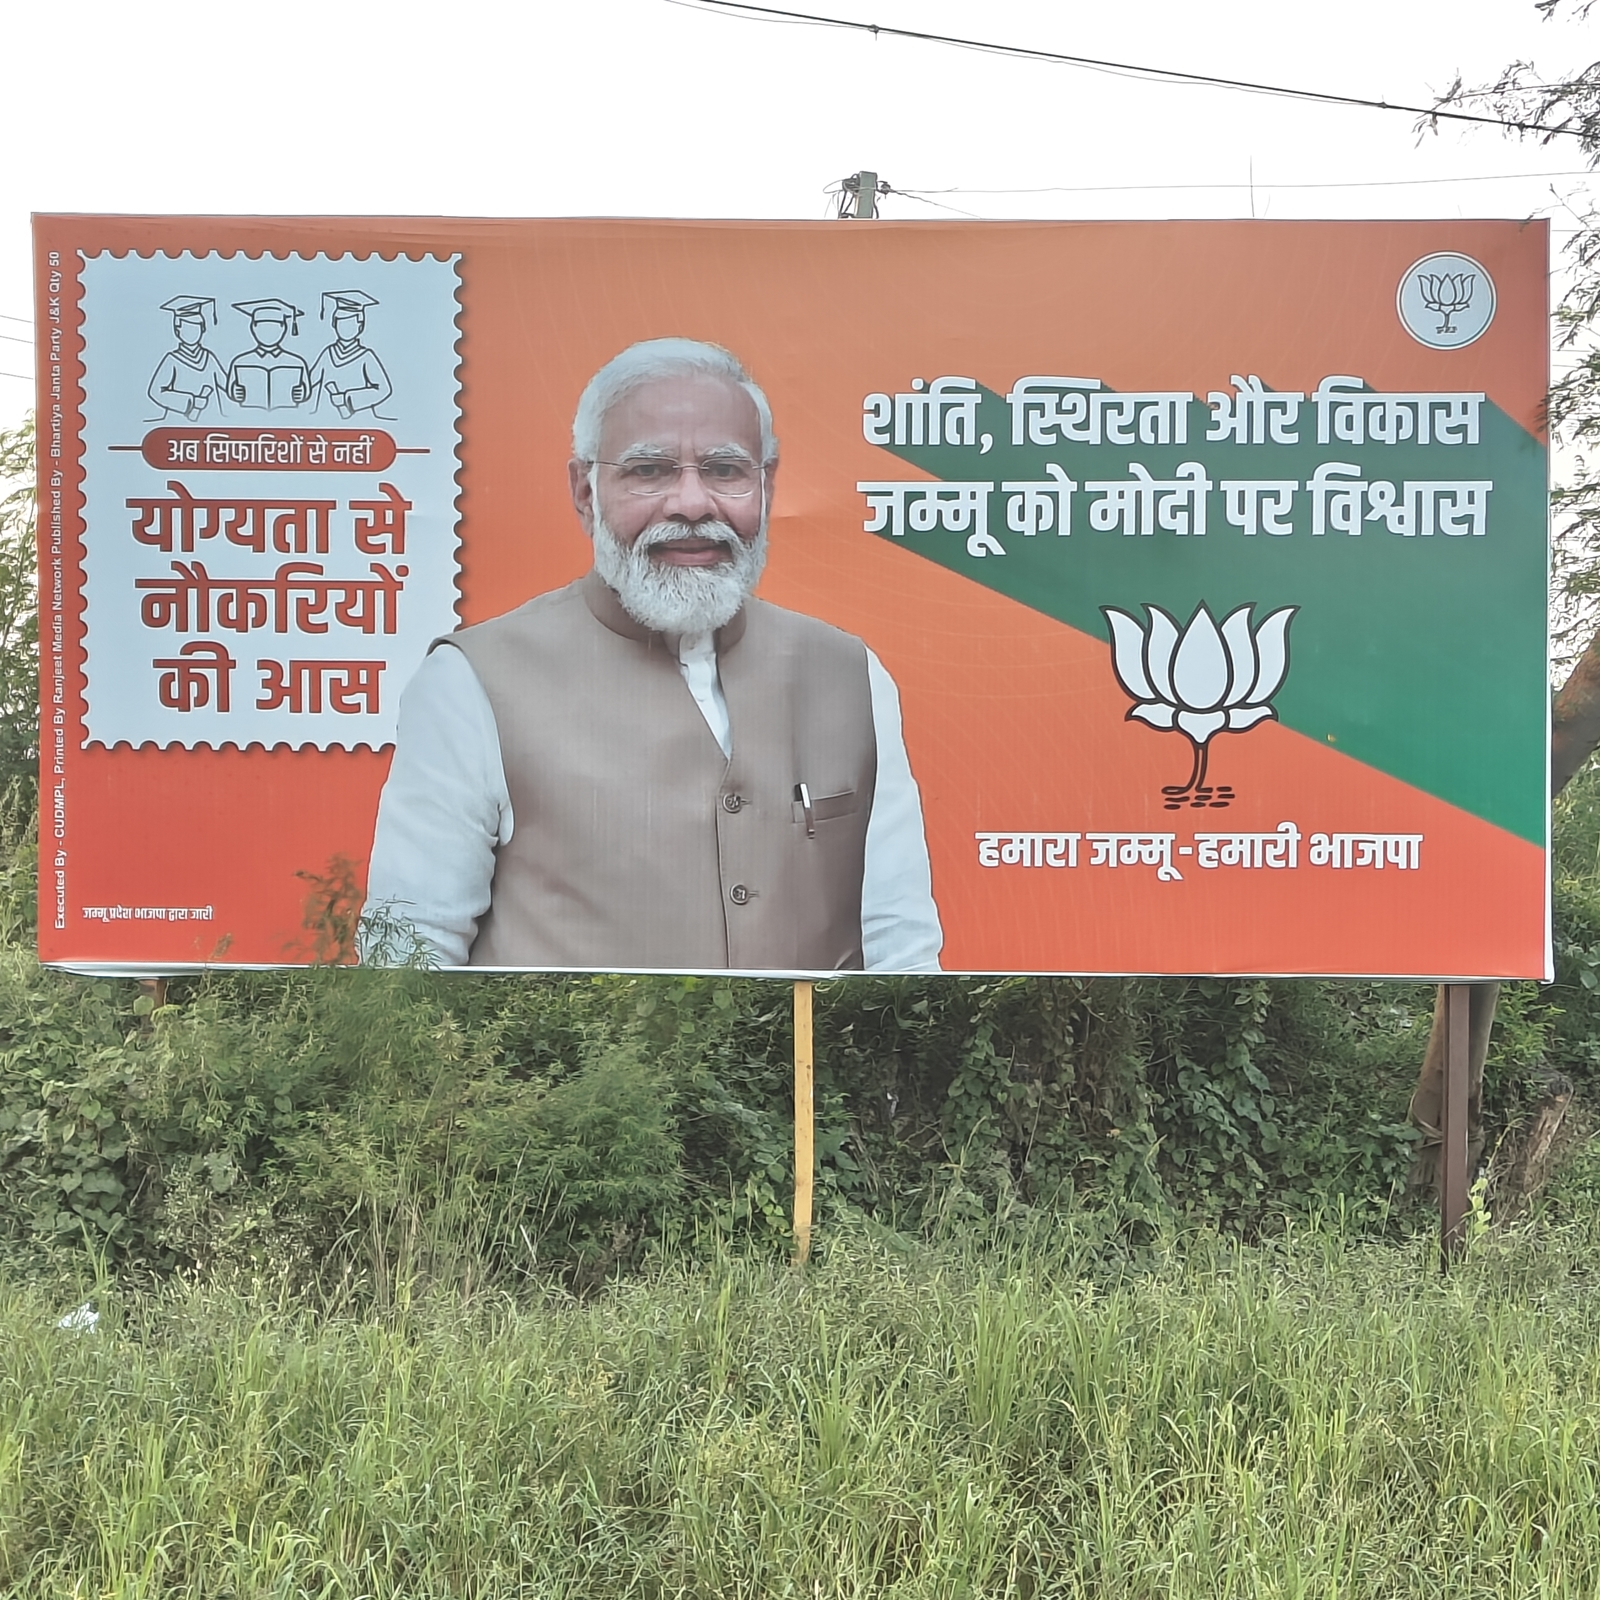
(11, 338)
(1259, 183)
(758, 13)
(912, 195)
(925, 196)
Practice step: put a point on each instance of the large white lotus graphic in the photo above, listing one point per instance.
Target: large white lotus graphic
(1200, 680)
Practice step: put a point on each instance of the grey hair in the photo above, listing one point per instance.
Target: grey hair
(661, 358)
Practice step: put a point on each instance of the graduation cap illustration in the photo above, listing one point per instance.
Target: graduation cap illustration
(346, 300)
(190, 305)
(275, 310)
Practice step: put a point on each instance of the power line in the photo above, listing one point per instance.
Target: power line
(26, 377)
(1132, 69)
(27, 322)
(13, 339)
(1260, 183)
(912, 194)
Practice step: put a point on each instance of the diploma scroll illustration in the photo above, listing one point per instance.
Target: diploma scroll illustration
(1200, 680)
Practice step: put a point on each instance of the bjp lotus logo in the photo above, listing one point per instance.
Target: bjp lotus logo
(1200, 680)
(1447, 293)
(1445, 300)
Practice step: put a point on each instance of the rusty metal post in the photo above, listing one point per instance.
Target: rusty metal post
(1453, 1175)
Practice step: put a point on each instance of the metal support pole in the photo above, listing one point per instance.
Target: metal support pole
(1453, 1176)
(858, 196)
(805, 1144)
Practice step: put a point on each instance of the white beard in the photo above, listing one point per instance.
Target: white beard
(674, 599)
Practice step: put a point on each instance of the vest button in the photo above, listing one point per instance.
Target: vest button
(732, 802)
(738, 893)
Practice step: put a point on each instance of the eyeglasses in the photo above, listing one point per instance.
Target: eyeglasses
(650, 477)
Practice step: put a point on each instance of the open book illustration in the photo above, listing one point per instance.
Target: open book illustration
(269, 388)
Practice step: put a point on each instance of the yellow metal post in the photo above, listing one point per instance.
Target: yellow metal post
(1454, 1179)
(805, 1145)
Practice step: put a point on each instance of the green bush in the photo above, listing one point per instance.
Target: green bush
(338, 1115)
(1233, 1098)
(19, 616)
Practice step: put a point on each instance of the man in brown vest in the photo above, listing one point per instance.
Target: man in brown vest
(649, 768)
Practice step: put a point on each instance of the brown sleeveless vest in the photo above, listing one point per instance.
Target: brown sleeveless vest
(635, 842)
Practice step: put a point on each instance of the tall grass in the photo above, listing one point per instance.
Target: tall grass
(1317, 1417)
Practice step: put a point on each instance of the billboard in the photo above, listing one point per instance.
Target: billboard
(791, 597)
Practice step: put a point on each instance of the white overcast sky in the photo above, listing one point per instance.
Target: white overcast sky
(652, 108)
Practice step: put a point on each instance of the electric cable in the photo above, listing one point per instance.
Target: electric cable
(1434, 113)
(1260, 183)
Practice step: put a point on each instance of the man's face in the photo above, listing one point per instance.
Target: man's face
(347, 326)
(190, 330)
(689, 419)
(268, 332)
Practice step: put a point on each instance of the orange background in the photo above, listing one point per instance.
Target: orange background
(1013, 721)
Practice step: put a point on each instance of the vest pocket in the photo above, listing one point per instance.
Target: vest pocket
(824, 807)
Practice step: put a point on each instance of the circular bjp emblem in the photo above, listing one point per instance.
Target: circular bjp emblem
(1445, 300)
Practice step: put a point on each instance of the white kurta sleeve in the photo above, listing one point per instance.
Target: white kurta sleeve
(444, 810)
(900, 929)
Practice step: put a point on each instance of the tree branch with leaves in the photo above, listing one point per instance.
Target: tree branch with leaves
(1566, 109)
(19, 615)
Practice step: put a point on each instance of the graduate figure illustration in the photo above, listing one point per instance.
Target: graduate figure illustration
(268, 377)
(189, 383)
(347, 377)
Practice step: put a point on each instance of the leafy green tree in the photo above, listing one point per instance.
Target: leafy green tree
(1567, 109)
(19, 615)
(1564, 108)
